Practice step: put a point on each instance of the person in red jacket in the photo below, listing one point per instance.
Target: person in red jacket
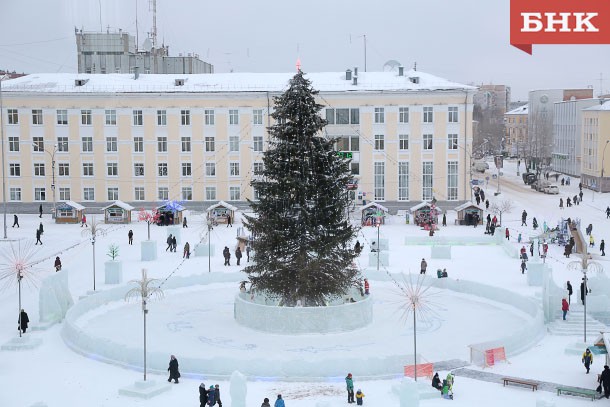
(565, 307)
(366, 286)
(507, 234)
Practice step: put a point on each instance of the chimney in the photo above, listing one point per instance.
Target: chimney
(348, 75)
(401, 70)
(355, 82)
(355, 71)
(136, 72)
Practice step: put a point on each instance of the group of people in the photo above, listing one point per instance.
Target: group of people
(226, 253)
(349, 382)
(446, 386)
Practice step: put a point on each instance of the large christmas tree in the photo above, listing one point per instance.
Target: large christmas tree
(302, 248)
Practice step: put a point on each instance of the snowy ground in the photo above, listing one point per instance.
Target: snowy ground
(55, 374)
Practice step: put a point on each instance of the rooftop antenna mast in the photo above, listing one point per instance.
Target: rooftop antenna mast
(152, 4)
(100, 4)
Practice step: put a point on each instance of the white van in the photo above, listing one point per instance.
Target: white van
(551, 189)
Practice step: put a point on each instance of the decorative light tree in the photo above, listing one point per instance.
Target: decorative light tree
(144, 290)
(149, 217)
(92, 231)
(17, 264)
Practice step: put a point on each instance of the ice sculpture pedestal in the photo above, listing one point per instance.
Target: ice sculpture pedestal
(148, 250)
(202, 250)
(145, 389)
(25, 342)
(440, 252)
(54, 300)
(384, 259)
(113, 272)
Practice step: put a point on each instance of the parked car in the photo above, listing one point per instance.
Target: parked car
(551, 189)
(480, 166)
(528, 178)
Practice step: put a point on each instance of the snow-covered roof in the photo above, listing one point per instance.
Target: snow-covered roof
(419, 206)
(603, 106)
(224, 82)
(223, 204)
(376, 205)
(466, 205)
(520, 110)
(120, 204)
(175, 206)
(74, 205)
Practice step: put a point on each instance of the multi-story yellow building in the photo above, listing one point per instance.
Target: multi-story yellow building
(515, 124)
(595, 139)
(145, 138)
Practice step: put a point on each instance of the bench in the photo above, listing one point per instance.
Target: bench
(575, 391)
(523, 382)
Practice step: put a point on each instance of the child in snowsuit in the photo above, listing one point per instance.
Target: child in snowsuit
(359, 397)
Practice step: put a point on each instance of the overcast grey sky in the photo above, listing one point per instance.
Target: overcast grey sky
(462, 40)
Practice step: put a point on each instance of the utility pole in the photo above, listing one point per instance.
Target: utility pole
(3, 155)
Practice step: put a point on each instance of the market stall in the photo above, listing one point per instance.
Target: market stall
(373, 214)
(118, 212)
(425, 215)
(69, 212)
(220, 212)
(468, 214)
(170, 213)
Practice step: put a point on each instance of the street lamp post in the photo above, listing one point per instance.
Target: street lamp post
(52, 155)
(378, 244)
(209, 245)
(3, 165)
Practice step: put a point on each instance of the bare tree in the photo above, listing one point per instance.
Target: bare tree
(498, 208)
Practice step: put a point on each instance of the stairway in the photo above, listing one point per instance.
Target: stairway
(574, 323)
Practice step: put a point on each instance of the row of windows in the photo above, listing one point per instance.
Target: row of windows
(403, 142)
(112, 169)
(137, 117)
(428, 115)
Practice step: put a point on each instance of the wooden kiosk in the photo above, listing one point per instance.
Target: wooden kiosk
(118, 212)
(468, 213)
(170, 213)
(424, 214)
(221, 211)
(69, 212)
(371, 214)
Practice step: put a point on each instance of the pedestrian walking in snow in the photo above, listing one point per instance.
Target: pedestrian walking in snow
(217, 396)
(487, 204)
(423, 266)
(229, 221)
(41, 228)
(482, 195)
(184, 225)
(174, 244)
(507, 234)
(607, 212)
(494, 221)
(366, 286)
(23, 320)
(248, 249)
(589, 229)
(568, 202)
(349, 383)
(238, 255)
(174, 373)
(523, 267)
(444, 219)
(570, 291)
(602, 247)
(524, 218)
(227, 255)
(532, 249)
(560, 203)
(211, 400)
(604, 380)
(587, 359)
(534, 223)
(580, 195)
(565, 307)
(169, 243)
(519, 238)
(187, 251)
(591, 241)
(436, 382)
(575, 200)
(83, 221)
(359, 397)
(40, 210)
(583, 291)
(567, 250)
(57, 264)
(38, 234)
(280, 401)
(203, 395)
(266, 403)
(130, 236)
(15, 221)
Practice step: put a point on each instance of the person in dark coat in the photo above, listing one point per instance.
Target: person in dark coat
(130, 236)
(608, 212)
(169, 243)
(604, 380)
(582, 291)
(23, 320)
(482, 193)
(357, 248)
(587, 359)
(266, 403)
(248, 249)
(238, 255)
(187, 251)
(227, 255)
(602, 247)
(40, 210)
(423, 266)
(15, 221)
(203, 395)
(487, 204)
(567, 250)
(570, 291)
(38, 234)
(229, 221)
(560, 203)
(41, 228)
(523, 267)
(524, 218)
(174, 244)
(184, 225)
(436, 382)
(57, 264)
(217, 396)
(211, 400)
(174, 374)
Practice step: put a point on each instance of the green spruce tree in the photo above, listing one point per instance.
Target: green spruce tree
(302, 246)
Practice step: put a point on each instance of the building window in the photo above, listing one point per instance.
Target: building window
(452, 180)
(13, 143)
(427, 173)
(427, 141)
(342, 116)
(209, 143)
(233, 116)
(187, 193)
(113, 193)
(234, 193)
(210, 193)
(63, 169)
(186, 169)
(88, 169)
(208, 115)
(354, 116)
(138, 169)
(257, 143)
(258, 168)
(14, 170)
(40, 194)
(138, 144)
(138, 193)
(110, 117)
(111, 144)
(15, 194)
(88, 194)
(37, 117)
(62, 143)
(185, 117)
(38, 143)
(452, 141)
(161, 117)
(233, 143)
(379, 142)
(85, 117)
(403, 181)
(453, 114)
(162, 144)
(163, 193)
(234, 169)
(257, 117)
(379, 180)
(428, 117)
(379, 115)
(64, 194)
(210, 169)
(355, 168)
(138, 118)
(62, 117)
(403, 115)
(162, 169)
(403, 141)
(256, 196)
(330, 116)
(13, 116)
(112, 169)
(39, 169)
(87, 144)
(186, 144)
(349, 143)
